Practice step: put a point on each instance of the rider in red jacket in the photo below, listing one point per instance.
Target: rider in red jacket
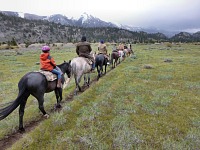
(47, 63)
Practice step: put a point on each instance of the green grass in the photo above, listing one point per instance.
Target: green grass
(130, 108)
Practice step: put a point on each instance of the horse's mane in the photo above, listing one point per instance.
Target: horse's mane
(64, 63)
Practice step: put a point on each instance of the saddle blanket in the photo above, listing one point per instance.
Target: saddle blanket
(49, 75)
(88, 61)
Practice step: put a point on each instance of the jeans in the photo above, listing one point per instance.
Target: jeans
(93, 66)
(57, 72)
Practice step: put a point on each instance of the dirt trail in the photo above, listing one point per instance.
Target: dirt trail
(9, 140)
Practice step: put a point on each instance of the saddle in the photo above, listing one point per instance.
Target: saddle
(88, 60)
(49, 75)
(105, 56)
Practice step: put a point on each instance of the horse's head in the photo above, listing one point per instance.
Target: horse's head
(66, 68)
(68, 71)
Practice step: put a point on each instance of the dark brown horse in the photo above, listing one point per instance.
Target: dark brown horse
(115, 59)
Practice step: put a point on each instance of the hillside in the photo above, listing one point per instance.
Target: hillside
(43, 31)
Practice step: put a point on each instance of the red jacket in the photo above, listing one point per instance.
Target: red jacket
(47, 62)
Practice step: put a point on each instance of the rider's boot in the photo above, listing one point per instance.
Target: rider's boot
(108, 61)
(59, 84)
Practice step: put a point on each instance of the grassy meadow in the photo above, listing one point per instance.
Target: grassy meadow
(150, 101)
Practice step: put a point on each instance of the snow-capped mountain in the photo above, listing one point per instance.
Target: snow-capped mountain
(85, 20)
(89, 21)
(58, 18)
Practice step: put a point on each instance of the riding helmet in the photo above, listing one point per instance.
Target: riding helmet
(45, 48)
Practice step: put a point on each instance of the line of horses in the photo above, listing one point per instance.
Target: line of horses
(36, 84)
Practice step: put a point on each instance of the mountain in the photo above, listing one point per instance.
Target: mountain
(42, 30)
(89, 21)
(186, 37)
(58, 18)
(85, 20)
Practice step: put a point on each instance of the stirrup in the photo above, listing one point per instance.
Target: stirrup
(92, 70)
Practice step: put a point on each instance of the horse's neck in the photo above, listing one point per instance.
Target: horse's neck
(62, 68)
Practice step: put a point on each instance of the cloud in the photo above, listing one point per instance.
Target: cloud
(157, 13)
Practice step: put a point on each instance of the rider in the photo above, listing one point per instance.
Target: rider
(83, 49)
(103, 50)
(47, 63)
(121, 46)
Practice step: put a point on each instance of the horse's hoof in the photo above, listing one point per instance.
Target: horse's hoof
(21, 130)
(57, 106)
(46, 116)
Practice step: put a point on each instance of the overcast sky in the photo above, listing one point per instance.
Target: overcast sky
(142, 13)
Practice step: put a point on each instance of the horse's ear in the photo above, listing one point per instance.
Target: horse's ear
(64, 61)
(69, 61)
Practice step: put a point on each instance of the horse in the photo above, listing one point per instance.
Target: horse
(80, 67)
(35, 84)
(100, 61)
(114, 58)
(121, 55)
(129, 52)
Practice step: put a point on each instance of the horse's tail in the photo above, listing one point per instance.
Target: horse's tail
(4, 112)
(73, 68)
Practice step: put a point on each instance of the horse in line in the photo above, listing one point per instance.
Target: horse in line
(35, 84)
(116, 57)
(128, 52)
(100, 61)
(80, 67)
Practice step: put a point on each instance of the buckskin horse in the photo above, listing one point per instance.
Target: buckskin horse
(35, 84)
(100, 61)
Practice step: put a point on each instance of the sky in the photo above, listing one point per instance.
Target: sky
(173, 14)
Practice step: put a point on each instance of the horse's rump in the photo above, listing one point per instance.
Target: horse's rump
(81, 64)
(80, 67)
(114, 55)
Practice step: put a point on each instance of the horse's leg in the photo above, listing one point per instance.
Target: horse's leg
(85, 80)
(40, 99)
(58, 93)
(105, 68)
(101, 69)
(88, 82)
(98, 72)
(77, 81)
(21, 111)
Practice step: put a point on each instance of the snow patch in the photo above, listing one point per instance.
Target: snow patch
(21, 14)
